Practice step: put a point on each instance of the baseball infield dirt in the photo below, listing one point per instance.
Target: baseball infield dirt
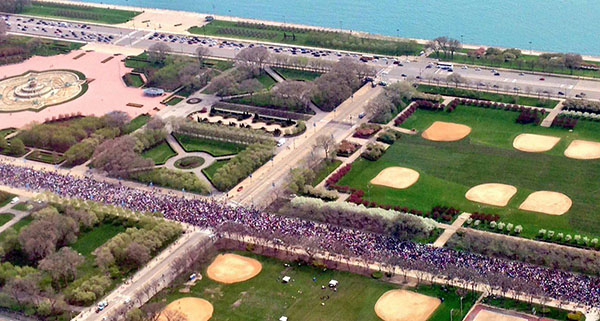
(232, 268)
(193, 308)
(552, 203)
(402, 305)
(532, 143)
(583, 149)
(491, 194)
(396, 177)
(446, 132)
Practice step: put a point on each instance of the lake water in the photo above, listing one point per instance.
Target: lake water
(550, 25)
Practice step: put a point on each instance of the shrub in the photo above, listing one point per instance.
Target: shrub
(493, 224)
(373, 152)
(377, 275)
(333, 179)
(542, 232)
(550, 234)
(501, 226)
(568, 238)
(320, 193)
(366, 130)
(509, 227)
(346, 148)
(518, 229)
(560, 236)
(242, 165)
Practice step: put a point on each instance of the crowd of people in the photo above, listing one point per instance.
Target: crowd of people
(553, 283)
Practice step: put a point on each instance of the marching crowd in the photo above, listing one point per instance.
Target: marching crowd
(552, 283)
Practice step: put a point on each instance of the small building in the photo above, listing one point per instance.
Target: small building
(477, 53)
(286, 279)
(333, 283)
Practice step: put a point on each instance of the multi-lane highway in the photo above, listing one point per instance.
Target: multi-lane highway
(414, 68)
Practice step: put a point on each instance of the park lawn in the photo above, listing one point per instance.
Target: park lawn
(88, 241)
(529, 64)
(7, 131)
(220, 65)
(265, 297)
(483, 95)
(160, 153)
(305, 37)
(5, 217)
(295, 74)
(5, 198)
(45, 157)
(325, 171)
(213, 147)
(498, 128)
(133, 80)
(137, 123)
(174, 101)
(79, 12)
(451, 302)
(23, 207)
(211, 170)
(448, 170)
(266, 80)
(19, 225)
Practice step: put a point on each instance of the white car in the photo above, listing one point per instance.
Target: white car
(15, 200)
(281, 142)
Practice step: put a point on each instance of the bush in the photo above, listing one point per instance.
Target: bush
(172, 179)
(366, 130)
(373, 152)
(242, 165)
(333, 179)
(347, 148)
(389, 136)
(377, 275)
(320, 193)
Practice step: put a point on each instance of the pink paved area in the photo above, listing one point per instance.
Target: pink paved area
(480, 307)
(107, 92)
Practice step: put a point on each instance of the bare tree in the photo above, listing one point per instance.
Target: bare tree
(3, 30)
(201, 54)
(326, 143)
(62, 265)
(453, 46)
(456, 79)
(256, 56)
(572, 61)
(442, 44)
(158, 52)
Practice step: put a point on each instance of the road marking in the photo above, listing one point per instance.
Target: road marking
(571, 87)
(514, 80)
(125, 37)
(142, 38)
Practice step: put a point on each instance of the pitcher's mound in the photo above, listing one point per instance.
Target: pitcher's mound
(232, 268)
(192, 308)
(491, 194)
(396, 177)
(402, 305)
(532, 143)
(583, 149)
(552, 203)
(446, 132)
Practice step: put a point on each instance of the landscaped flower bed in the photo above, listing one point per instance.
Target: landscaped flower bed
(346, 148)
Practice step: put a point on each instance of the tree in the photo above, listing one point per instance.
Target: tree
(137, 254)
(201, 54)
(326, 143)
(156, 123)
(22, 288)
(157, 53)
(456, 79)
(62, 265)
(255, 56)
(3, 143)
(573, 61)
(117, 119)
(442, 44)
(16, 147)
(14, 6)
(3, 30)
(251, 86)
(381, 109)
(152, 311)
(173, 315)
(292, 94)
(453, 46)
(118, 157)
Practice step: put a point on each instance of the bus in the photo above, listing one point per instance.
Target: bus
(366, 58)
(445, 65)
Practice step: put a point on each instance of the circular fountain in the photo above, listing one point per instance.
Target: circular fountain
(31, 90)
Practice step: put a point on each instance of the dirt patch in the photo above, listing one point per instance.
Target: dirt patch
(532, 143)
(193, 308)
(583, 149)
(487, 315)
(552, 203)
(441, 131)
(402, 305)
(491, 194)
(232, 268)
(396, 177)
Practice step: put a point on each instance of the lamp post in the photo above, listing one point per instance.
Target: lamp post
(451, 312)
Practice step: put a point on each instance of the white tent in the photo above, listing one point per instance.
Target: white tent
(283, 319)
(286, 279)
(333, 283)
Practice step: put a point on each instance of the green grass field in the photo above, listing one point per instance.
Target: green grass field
(266, 298)
(325, 171)
(88, 241)
(174, 101)
(23, 207)
(502, 98)
(449, 169)
(211, 170)
(220, 65)
(133, 80)
(302, 37)
(137, 123)
(295, 74)
(45, 157)
(267, 81)
(5, 217)
(79, 12)
(213, 147)
(160, 153)
(7, 131)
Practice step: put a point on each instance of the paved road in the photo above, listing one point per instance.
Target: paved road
(338, 124)
(412, 66)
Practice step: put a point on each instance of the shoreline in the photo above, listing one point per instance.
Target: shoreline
(201, 22)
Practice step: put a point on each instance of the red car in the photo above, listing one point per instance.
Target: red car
(542, 79)
(240, 189)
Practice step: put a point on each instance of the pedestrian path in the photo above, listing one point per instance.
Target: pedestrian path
(18, 215)
(547, 122)
(450, 230)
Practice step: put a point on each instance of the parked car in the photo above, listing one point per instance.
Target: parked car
(542, 79)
